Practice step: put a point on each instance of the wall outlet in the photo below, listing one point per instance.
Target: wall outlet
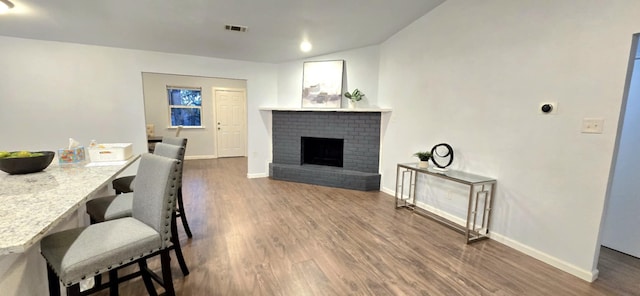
(592, 125)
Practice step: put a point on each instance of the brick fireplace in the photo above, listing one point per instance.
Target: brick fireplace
(355, 167)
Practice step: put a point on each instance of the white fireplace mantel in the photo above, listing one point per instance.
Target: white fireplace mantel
(374, 109)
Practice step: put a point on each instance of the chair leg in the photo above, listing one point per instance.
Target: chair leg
(113, 282)
(146, 278)
(166, 273)
(175, 240)
(182, 214)
(54, 282)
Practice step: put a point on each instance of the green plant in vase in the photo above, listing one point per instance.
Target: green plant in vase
(354, 97)
(424, 158)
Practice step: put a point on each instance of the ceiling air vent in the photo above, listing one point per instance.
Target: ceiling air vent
(235, 28)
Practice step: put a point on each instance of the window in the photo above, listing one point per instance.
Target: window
(185, 106)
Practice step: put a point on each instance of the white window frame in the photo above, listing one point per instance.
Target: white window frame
(183, 106)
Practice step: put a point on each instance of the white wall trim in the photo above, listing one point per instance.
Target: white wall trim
(191, 157)
(388, 191)
(587, 275)
(583, 274)
(439, 212)
(258, 175)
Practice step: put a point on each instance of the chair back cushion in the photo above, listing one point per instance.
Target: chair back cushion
(155, 194)
(182, 142)
(127, 184)
(169, 150)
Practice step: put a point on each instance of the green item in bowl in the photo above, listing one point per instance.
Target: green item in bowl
(25, 162)
(19, 154)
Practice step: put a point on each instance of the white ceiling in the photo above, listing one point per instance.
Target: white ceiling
(196, 27)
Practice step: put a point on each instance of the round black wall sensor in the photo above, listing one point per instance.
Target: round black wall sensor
(546, 108)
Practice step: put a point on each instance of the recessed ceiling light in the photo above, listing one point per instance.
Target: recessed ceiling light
(305, 46)
(5, 5)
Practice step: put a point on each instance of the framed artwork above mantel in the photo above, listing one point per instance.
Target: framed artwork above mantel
(322, 84)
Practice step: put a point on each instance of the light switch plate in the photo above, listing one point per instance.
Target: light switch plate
(592, 125)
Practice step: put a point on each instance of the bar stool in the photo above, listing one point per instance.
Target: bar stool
(118, 206)
(76, 254)
(126, 184)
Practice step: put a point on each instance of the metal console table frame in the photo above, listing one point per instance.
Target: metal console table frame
(487, 186)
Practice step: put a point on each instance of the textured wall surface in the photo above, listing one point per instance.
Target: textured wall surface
(361, 134)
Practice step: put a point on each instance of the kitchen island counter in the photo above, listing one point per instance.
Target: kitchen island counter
(33, 204)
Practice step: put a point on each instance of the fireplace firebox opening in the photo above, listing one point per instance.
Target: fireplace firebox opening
(322, 151)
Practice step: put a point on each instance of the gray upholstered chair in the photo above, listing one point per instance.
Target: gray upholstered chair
(180, 212)
(126, 184)
(76, 254)
(119, 206)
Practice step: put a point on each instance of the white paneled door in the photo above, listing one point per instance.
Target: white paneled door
(231, 122)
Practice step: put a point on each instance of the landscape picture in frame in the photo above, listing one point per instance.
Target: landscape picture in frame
(322, 84)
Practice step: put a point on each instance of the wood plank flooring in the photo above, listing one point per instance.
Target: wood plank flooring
(267, 237)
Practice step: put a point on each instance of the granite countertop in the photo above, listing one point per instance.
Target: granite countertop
(32, 204)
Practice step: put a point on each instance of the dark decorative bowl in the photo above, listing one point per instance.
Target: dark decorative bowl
(26, 165)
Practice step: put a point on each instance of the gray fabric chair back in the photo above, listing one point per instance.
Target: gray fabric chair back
(174, 152)
(155, 194)
(182, 142)
(168, 150)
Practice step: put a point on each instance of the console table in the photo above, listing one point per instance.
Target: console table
(481, 193)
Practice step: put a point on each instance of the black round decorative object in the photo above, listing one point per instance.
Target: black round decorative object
(440, 152)
(26, 165)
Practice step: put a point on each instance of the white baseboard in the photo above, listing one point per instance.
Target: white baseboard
(388, 191)
(200, 157)
(258, 175)
(455, 219)
(586, 275)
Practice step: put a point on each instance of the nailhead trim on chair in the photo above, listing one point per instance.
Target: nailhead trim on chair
(167, 239)
(68, 284)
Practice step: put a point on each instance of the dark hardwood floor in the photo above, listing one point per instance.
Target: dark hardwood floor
(266, 237)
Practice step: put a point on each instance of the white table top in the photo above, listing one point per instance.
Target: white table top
(32, 204)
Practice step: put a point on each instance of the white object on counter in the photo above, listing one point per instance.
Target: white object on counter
(111, 152)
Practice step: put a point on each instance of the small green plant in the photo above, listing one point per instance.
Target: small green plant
(355, 96)
(423, 156)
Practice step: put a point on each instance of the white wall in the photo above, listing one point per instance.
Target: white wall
(473, 74)
(620, 231)
(52, 91)
(202, 141)
(361, 71)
